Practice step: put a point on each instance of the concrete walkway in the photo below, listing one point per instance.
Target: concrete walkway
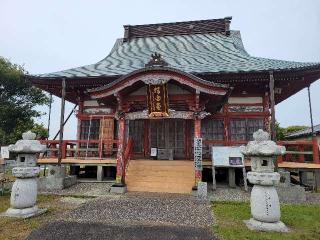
(133, 216)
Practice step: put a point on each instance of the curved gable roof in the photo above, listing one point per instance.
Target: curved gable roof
(160, 75)
(192, 53)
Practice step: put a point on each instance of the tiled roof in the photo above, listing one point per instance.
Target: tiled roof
(303, 132)
(194, 53)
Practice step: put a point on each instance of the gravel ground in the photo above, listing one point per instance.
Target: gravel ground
(74, 230)
(313, 197)
(228, 194)
(223, 192)
(145, 208)
(133, 216)
(74, 201)
(84, 189)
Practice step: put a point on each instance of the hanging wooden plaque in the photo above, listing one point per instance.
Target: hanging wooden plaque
(158, 100)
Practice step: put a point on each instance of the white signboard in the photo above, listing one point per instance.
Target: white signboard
(197, 153)
(153, 152)
(227, 157)
(4, 152)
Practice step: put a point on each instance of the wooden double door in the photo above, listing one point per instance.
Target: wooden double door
(160, 134)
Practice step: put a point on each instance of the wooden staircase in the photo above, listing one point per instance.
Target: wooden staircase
(173, 176)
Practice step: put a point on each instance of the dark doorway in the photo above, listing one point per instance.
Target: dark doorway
(168, 134)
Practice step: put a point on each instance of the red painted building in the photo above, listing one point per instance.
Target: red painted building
(164, 84)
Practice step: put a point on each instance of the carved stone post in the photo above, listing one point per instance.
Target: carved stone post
(265, 206)
(24, 190)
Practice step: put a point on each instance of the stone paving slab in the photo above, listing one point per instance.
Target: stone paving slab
(88, 231)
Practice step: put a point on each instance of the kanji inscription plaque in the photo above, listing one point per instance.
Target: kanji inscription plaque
(158, 100)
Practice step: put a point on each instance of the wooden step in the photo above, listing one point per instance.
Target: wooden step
(160, 176)
(160, 179)
(161, 163)
(132, 172)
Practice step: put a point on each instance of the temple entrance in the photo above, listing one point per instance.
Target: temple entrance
(168, 136)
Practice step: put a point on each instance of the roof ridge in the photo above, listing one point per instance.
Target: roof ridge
(221, 25)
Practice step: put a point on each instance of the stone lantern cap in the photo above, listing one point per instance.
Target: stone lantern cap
(262, 146)
(28, 144)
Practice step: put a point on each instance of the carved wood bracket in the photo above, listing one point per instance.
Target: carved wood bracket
(172, 114)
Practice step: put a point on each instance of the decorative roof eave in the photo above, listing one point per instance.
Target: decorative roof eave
(159, 75)
(289, 71)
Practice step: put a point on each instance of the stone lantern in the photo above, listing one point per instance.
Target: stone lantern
(265, 206)
(24, 190)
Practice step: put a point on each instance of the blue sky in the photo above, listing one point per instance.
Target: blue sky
(47, 36)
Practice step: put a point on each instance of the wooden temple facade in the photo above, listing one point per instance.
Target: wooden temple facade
(162, 85)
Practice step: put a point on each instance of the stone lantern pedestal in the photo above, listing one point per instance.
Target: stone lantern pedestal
(264, 201)
(24, 190)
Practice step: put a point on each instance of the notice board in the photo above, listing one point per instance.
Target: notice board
(227, 156)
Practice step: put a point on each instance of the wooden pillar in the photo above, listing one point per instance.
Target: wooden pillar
(187, 139)
(266, 107)
(63, 102)
(315, 148)
(273, 114)
(197, 134)
(120, 153)
(49, 117)
(272, 102)
(226, 138)
(146, 138)
(317, 179)
(310, 109)
(232, 177)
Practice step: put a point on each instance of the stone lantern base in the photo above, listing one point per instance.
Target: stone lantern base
(24, 213)
(256, 225)
(264, 202)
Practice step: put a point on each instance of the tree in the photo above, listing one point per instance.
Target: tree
(281, 132)
(18, 99)
(295, 128)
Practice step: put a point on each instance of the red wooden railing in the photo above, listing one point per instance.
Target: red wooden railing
(81, 148)
(306, 151)
(300, 151)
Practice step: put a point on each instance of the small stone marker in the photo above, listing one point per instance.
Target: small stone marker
(202, 191)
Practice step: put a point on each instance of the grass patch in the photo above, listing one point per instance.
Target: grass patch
(12, 228)
(8, 175)
(302, 219)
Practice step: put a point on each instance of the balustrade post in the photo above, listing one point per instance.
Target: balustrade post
(280, 159)
(64, 150)
(100, 147)
(315, 150)
(301, 155)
